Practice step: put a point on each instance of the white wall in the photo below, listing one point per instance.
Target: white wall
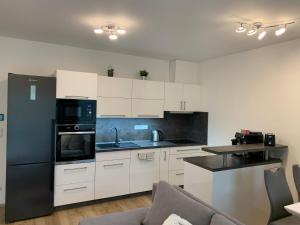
(27, 57)
(258, 90)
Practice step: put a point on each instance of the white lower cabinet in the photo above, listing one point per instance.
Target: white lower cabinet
(112, 178)
(176, 177)
(73, 193)
(144, 169)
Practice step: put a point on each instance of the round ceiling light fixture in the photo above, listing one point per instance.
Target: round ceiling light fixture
(261, 35)
(281, 30)
(111, 30)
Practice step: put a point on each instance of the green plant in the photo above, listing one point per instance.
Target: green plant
(144, 73)
(110, 71)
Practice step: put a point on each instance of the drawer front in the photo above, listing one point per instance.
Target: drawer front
(74, 173)
(112, 178)
(176, 161)
(187, 149)
(176, 177)
(104, 156)
(73, 193)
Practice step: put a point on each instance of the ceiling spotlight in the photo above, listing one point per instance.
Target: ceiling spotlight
(241, 29)
(121, 31)
(280, 31)
(98, 31)
(252, 31)
(262, 35)
(113, 37)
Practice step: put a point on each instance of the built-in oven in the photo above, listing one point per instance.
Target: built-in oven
(74, 111)
(75, 142)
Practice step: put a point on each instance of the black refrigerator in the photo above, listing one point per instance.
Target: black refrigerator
(30, 147)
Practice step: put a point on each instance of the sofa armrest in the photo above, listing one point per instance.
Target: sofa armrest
(132, 217)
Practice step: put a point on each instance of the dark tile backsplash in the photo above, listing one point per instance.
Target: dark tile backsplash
(174, 126)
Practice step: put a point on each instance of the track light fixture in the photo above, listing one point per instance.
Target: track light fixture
(258, 27)
(111, 30)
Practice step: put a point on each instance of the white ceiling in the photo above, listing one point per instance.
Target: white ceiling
(172, 29)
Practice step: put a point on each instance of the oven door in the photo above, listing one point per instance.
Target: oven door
(72, 146)
(72, 111)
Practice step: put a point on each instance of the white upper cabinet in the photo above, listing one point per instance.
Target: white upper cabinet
(191, 97)
(113, 87)
(147, 108)
(173, 97)
(76, 85)
(114, 97)
(147, 89)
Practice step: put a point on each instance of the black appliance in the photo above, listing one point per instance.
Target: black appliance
(254, 138)
(30, 147)
(270, 140)
(75, 142)
(73, 111)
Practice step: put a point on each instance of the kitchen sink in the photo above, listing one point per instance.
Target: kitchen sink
(117, 145)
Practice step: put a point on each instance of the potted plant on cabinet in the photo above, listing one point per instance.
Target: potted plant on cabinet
(144, 74)
(110, 71)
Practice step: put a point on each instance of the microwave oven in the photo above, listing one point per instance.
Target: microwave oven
(74, 111)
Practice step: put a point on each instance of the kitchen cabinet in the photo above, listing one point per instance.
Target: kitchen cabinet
(143, 89)
(192, 97)
(112, 174)
(146, 108)
(112, 178)
(182, 97)
(114, 87)
(114, 97)
(144, 169)
(113, 107)
(76, 85)
(74, 183)
(164, 164)
(173, 97)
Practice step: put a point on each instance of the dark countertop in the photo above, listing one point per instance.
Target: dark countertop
(215, 163)
(230, 149)
(148, 145)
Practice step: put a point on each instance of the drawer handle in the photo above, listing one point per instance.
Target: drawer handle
(187, 150)
(75, 96)
(116, 164)
(79, 168)
(179, 174)
(104, 116)
(179, 158)
(74, 189)
(149, 116)
(165, 155)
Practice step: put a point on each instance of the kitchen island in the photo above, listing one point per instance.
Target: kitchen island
(233, 183)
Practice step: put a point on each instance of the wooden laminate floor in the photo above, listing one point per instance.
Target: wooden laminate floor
(74, 215)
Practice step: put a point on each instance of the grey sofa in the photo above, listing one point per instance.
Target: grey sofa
(167, 199)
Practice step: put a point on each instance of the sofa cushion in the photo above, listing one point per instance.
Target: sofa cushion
(132, 217)
(219, 219)
(168, 200)
(290, 220)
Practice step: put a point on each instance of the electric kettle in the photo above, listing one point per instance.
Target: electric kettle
(156, 135)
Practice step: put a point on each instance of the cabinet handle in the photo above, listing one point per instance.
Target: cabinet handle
(187, 150)
(184, 103)
(77, 188)
(78, 132)
(149, 116)
(165, 155)
(79, 168)
(75, 96)
(179, 174)
(116, 164)
(181, 108)
(179, 158)
(104, 116)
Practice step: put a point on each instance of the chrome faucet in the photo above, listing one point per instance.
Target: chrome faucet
(117, 141)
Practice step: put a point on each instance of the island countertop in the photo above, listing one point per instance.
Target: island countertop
(231, 149)
(215, 163)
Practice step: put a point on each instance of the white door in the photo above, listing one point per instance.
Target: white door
(76, 85)
(164, 164)
(112, 178)
(147, 89)
(173, 97)
(146, 108)
(144, 169)
(192, 97)
(113, 107)
(114, 87)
